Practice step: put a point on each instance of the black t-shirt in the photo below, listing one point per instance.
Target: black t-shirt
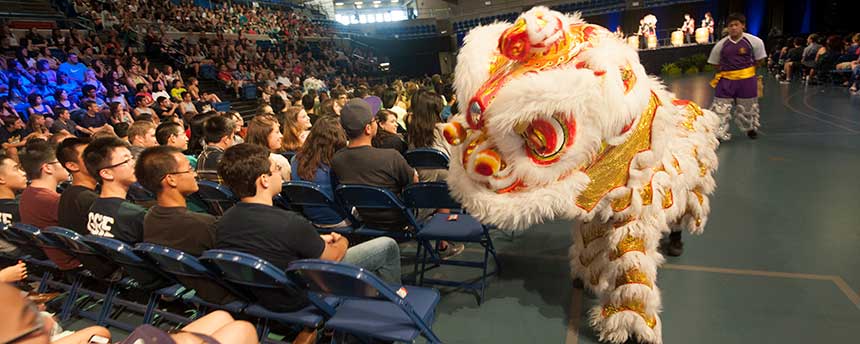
(93, 122)
(116, 218)
(794, 54)
(9, 211)
(179, 228)
(273, 234)
(380, 167)
(74, 207)
(11, 137)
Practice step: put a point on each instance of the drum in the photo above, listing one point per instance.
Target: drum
(633, 41)
(677, 38)
(702, 35)
(652, 42)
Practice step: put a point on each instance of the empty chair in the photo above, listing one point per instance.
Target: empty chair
(277, 298)
(426, 158)
(450, 227)
(217, 197)
(369, 308)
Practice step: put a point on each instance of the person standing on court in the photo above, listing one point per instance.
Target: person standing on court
(736, 57)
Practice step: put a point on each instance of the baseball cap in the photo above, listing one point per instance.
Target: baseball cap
(354, 116)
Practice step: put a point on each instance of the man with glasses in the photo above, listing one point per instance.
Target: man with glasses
(166, 172)
(110, 161)
(173, 134)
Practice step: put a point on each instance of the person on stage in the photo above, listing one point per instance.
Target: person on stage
(618, 32)
(736, 57)
(642, 33)
(708, 23)
(688, 28)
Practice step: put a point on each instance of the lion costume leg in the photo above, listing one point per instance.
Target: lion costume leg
(723, 108)
(620, 266)
(747, 114)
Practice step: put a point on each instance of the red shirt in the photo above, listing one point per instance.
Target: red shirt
(38, 207)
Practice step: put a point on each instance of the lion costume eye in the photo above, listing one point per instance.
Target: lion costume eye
(546, 138)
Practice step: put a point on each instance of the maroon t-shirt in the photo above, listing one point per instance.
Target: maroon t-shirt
(38, 207)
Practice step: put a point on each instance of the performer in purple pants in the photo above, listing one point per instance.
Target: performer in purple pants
(736, 57)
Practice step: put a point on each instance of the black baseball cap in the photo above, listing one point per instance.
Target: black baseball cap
(354, 116)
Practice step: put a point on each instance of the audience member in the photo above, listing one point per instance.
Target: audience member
(76, 200)
(218, 136)
(265, 132)
(110, 161)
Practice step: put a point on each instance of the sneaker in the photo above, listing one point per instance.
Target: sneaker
(752, 134)
(452, 250)
(785, 82)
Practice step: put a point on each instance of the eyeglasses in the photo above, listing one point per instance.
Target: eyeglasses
(190, 170)
(126, 161)
(38, 326)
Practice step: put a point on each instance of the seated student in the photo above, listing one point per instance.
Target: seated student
(166, 172)
(93, 120)
(12, 180)
(172, 134)
(218, 135)
(40, 201)
(312, 163)
(254, 226)
(360, 163)
(111, 162)
(76, 199)
(141, 135)
(65, 123)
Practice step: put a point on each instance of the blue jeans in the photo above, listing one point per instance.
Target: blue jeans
(380, 255)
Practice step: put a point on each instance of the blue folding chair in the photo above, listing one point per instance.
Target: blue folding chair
(267, 283)
(440, 226)
(372, 197)
(24, 237)
(370, 308)
(94, 266)
(100, 268)
(309, 195)
(217, 197)
(210, 291)
(146, 277)
(426, 158)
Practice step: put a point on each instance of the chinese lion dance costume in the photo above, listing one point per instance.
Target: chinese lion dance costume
(559, 120)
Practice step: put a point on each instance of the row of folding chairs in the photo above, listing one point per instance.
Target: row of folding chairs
(340, 297)
(462, 228)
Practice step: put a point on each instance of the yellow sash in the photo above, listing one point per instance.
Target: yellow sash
(739, 74)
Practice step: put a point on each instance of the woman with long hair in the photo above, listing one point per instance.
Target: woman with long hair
(37, 107)
(118, 114)
(264, 131)
(297, 125)
(424, 129)
(312, 163)
(387, 136)
(36, 124)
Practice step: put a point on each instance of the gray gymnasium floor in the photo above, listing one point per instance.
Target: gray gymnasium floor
(779, 261)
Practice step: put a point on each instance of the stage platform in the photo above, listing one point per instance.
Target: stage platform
(653, 59)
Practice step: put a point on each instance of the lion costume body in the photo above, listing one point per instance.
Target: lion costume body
(560, 120)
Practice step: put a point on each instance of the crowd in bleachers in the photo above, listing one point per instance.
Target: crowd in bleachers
(818, 59)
